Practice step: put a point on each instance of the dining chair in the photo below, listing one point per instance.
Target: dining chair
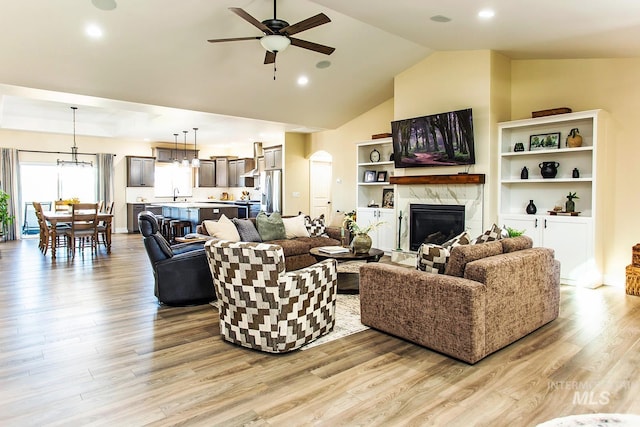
(45, 227)
(102, 225)
(84, 226)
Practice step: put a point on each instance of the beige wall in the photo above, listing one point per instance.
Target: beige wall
(296, 175)
(341, 144)
(585, 84)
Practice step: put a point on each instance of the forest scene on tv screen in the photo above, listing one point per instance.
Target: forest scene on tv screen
(444, 139)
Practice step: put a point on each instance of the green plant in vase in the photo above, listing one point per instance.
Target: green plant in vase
(570, 205)
(512, 232)
(5, 218)
(361, 242)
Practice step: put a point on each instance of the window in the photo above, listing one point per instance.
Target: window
(170, 177)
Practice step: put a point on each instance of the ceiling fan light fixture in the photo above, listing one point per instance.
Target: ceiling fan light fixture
(275, 43)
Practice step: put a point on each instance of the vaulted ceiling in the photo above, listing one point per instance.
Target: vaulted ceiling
(152, 73)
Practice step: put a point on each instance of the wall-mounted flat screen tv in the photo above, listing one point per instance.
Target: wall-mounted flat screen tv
(444, 139)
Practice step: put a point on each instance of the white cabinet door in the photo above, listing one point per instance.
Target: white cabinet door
(571, 238)
(531, 224)
(386, 232)
(384, 236)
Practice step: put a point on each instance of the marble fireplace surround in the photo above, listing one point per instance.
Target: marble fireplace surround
(460, 189)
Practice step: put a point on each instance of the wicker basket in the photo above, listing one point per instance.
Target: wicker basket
(633, 280)
(635, 255)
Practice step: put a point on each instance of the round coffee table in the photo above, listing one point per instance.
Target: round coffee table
(348, 281)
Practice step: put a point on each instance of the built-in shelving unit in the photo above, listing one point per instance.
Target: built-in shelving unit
(370, 191)
(576, 239)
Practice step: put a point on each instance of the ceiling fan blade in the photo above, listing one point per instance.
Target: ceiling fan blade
(269, 58)
(306, 24)
(251, 20)
(312, 46)
(233, 39)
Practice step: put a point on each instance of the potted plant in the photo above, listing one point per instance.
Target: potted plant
(5, 218)
(570, 205)
(361, 242)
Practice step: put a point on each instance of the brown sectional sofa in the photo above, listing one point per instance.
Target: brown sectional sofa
(296, 250)
(491, 295)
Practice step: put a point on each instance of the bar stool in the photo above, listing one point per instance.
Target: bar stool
(179, 228)
(165, 227)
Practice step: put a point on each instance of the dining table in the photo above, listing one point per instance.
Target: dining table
(62, 217)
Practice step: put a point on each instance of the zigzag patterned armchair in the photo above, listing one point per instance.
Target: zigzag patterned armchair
(262, 306)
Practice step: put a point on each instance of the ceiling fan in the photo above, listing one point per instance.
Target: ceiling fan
(277, 33)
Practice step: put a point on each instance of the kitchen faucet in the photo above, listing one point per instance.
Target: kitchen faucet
(175, 193)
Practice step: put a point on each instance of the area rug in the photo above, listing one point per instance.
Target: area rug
(347, 320)
(594, 420)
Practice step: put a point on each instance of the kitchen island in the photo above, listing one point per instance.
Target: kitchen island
(196, 212)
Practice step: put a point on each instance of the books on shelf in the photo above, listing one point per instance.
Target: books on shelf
(333, 249)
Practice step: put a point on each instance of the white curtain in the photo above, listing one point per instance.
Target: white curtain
(9, 184)
(105, 177)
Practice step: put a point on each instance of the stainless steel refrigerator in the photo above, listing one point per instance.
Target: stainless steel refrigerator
(271, 191)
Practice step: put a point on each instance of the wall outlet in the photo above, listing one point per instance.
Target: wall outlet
(296, 194)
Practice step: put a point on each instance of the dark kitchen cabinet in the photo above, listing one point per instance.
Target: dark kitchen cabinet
(273, 158)
(140, 171)
(222, 172)
(207, 173)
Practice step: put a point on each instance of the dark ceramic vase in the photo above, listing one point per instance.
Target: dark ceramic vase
(575, 173)
(525, 173)
(549, 169)
(531, 208)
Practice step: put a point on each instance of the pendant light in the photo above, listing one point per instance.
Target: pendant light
(74, 150)
(175, 159)
(195, 162)
(185, 161)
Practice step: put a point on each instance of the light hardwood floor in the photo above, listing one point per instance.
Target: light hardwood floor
(85, 342)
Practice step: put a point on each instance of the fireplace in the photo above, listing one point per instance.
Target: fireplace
(434, 223)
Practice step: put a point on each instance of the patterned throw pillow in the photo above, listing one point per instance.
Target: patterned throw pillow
(432, 258)
(461, 239)
(246, 230)
(316, 226)
(494, 233)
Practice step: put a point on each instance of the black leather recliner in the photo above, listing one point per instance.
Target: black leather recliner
(181, 271)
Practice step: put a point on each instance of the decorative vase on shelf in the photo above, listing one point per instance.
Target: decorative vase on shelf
(361, 243)
(570, 206)
(575, 173)
(549, 169)
(525, 173)
(574, 139)
(531, 208)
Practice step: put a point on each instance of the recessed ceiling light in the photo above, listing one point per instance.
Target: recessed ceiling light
(486, 14)
(303, 80)
(440, 18)
(323, 64)
(93, 31)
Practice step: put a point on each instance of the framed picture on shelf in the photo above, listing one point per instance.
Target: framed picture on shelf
(369, 176)
(387, 198)
(544, 141)
(382, 176)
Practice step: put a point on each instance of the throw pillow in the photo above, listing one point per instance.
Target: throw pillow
(270, 227)
(461, 239)
(295, 227)
(222, 229)
(246, 230)
(494, 233)
(316, 227)
(432, 258)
